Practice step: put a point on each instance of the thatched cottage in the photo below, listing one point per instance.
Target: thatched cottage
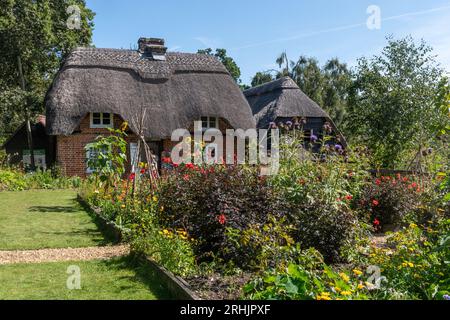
(97, 89)
(282, 100)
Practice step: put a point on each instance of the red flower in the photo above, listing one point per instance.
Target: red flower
(405, 179)
(132, 176)
(166, 160)
(189, 165)
(222, 219)
(348, 197)
(378, 182)
(142, 171)
(414, 185)
(375, 203)
(186, 177)
(376, 222)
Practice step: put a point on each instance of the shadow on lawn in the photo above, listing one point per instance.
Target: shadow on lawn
(55, 209)
(142, 275)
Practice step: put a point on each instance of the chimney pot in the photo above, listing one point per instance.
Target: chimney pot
(152, 48)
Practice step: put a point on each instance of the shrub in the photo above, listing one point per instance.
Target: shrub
(388, 200)
(207, 201)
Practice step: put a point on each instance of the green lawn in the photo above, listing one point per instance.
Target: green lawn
(38, 219)
(110, 279)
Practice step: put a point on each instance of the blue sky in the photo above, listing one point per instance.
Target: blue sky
(255, 32)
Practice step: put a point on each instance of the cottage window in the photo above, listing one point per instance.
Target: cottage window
(210, 123)
(101, 120)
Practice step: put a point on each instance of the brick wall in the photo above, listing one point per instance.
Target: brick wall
(70, 152)
(71, 155)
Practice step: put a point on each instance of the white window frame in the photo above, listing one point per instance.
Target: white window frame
(216, 123)
(101, 125)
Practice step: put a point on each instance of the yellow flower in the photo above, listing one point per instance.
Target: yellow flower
(323, 297)
(165, 231)
(357, 272)
(410, 264)
(413, 225)
(337, 289)
(155, 198)
(344, 277)
(346, 293)
(361, 286)
(122, 206)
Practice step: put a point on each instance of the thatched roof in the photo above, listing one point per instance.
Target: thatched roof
(175, 92)
(281, 98)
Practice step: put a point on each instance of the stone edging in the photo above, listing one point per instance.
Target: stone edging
(177, 286)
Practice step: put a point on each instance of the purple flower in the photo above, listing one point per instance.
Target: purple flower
(289, 123)
(273, 125)
(338, 147)
(313, 138)
(446, 297)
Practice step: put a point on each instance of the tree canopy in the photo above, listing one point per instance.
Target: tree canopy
(394, 101)
(37, 35)
(227, 61)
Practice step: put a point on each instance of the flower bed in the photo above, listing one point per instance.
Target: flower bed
(304, 233)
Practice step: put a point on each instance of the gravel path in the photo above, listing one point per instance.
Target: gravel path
(69, 254)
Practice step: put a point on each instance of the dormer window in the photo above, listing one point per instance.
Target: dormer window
(210, 123)
(101, 120)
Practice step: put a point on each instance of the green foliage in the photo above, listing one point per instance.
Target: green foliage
(393, 104)
(261, 78)
(307, 279)
(16, 180)
(227, 61)
(419, 266)
(110, 156)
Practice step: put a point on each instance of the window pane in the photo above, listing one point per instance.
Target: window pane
(212, 122)
(106, 119)
(96, 118)
(204, 122)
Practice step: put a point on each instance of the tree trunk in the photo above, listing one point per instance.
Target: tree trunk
(28, 122)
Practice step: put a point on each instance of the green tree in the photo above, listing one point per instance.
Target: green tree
(227, 61)
(261, 78)
(393, 105)
(35, 37)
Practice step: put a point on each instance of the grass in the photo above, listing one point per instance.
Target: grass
(38, 219)
(115, 279)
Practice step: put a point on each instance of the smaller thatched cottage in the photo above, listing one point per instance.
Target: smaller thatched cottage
(97, 89)
(18, 151)
(281, 100)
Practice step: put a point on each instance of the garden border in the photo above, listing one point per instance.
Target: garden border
(176, 285)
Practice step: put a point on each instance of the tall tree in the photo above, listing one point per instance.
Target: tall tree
(227, 61)
(35, 37)
(393, 105)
